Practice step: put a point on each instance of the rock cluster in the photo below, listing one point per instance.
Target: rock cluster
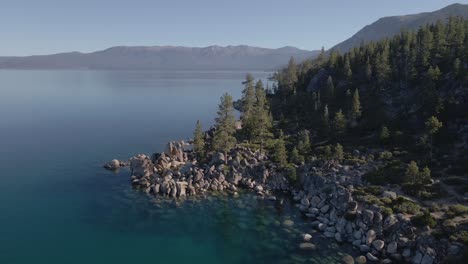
(327, 201)
(176, 173)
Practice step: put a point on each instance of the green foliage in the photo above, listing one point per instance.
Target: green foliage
(224, 140)
(392, 172)
(373, 189)
(457, 210)
(261, 123)
(461, 236)
(386, 211)
(248, 101)
(303, 144)
(339, 123)
(339, 154)
(424, 219)
(402, 205)
(295, 157)
(385, 155)
(199, 141)
(280, 154)
(355, 106)
(384, 135)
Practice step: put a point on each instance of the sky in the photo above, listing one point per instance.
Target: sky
(34, 27)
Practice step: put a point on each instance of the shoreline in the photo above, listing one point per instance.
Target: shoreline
(322, 194)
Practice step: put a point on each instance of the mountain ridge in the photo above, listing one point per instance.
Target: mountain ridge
(239, 57)
(391, 25)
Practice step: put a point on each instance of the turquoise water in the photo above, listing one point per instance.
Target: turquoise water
(59, 206)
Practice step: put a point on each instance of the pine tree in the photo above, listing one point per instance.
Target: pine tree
(348, 73)
(280, 154)
(291, 76)
(199, 141)
(339, 123)
(303, 144)
(248, 102)
(224, 140)
(433, 125)
(330, 88)
(295, 157)
(262, 119)
(326, 119)
(384, 134)
(412, 172)
(339, 154)
(355, 106)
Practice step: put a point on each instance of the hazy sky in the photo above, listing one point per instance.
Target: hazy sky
(50, 26)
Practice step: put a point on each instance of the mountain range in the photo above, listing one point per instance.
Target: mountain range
(163, 58)
(240, 57)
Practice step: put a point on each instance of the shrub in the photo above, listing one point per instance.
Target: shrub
(461, 236)
(385, 155)
(457, 210)
(403, 205)
(374, 190)
(424, 219)
(386, 200)
(449, 225)
(386, 211)
(391, 173)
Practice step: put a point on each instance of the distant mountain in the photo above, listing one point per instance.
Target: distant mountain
(390, 26)
(164, 58)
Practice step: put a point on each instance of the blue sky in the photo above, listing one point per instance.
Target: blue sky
(51, 26)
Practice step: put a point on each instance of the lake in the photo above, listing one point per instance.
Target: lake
(58, 205)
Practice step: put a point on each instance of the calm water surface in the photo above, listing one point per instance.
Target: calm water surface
(57, 205)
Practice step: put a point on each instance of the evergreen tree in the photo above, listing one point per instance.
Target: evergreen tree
(339, 123)
(433, 125)
(412, 172)
(291, 76)
(295, 157)
(384, 134)
(248, 102)
(224, 139)
(355, 106)
(330, 88)
(326, 119)
(199, 141)
(262, 121)
(348, 73)
(327, 152)
(303, 144)
(339, 154)
(457, 67)
(280, 154)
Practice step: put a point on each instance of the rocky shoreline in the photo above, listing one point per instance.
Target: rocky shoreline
(323, 193)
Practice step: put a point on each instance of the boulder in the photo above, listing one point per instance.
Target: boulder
(378, 244)
(364, 248)
(347, 259)
(371, 257)
(389, 194)
(306, 237)
(258, 188)
(307, 246)
(370, 237)
(367, 216)
(360, 260)
(218, 158)
(324, 208)
(113, 165)
(288, 223)
(392, 248)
